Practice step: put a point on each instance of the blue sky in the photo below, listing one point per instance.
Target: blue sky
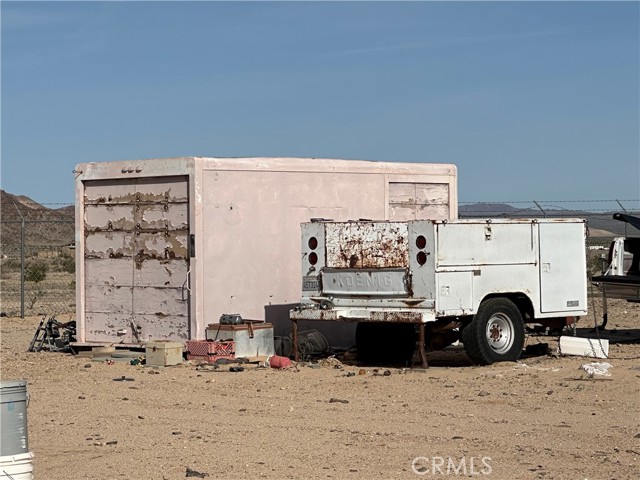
(530, 100)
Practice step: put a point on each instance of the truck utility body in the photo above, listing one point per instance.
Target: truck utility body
(446, 273)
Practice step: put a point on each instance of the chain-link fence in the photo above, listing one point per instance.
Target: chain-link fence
(38, 256)
(37, 273)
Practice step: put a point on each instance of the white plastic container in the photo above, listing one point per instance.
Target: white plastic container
(14, 439)
(17, 467)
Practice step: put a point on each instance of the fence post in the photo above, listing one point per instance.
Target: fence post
(22, 269)
(543, 212)
(625, 211)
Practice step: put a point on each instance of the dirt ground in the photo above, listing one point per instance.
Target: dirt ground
(538, 418)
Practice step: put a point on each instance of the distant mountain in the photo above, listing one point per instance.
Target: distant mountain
(44, 226)
(600, 223)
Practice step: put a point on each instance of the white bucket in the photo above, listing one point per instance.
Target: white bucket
(17, 467)
(13, 418)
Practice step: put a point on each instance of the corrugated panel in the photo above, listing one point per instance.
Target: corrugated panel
(366, 245)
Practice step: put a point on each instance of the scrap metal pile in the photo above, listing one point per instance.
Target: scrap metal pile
(53, 336)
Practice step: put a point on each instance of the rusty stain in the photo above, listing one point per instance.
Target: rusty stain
(366, 245)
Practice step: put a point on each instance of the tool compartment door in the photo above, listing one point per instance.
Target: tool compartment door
(562, 267)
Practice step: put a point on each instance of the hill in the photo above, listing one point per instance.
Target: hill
(55, 226)
(44, 226)
(600, 224)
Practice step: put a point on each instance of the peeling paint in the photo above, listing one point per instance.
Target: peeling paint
(136, 235)
(366, 245)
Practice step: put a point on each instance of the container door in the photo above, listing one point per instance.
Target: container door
(562, 267)
(136, 259)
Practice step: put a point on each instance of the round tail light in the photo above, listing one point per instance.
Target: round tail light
(313, 258)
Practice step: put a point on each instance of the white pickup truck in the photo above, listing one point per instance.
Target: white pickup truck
(621, 278)
(435, 281)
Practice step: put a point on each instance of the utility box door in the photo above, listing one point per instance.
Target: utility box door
(136, 259)
(562, 267)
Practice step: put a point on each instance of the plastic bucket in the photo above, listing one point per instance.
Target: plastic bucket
(13, 418)
(17, 467)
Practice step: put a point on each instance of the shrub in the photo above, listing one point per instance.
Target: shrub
(65, 263)
(36, 271)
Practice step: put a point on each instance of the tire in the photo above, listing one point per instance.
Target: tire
(385, 342)
(495, 334)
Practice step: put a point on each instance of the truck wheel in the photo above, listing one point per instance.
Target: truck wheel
(496, 333)
(385, 342)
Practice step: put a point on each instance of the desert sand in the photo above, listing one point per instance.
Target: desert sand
(541, 417)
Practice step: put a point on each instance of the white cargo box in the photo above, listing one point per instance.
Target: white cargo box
(165, 247)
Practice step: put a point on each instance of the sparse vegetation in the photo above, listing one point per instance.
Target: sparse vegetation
(65, 263)
(36, 271)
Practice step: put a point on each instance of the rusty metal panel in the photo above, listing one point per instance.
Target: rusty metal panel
(116, 244)
(108, 217)
(366, 245)
(162, 245)
(102, 192)
(166, 216)
(136, 259)
(171, 189)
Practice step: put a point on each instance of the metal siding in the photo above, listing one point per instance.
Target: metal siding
(562, 269)
(366, 245)
(136, 258)
(461, 244)
(455, 293)
(251, 232)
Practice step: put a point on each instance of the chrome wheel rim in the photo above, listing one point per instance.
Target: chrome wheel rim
(500, 333)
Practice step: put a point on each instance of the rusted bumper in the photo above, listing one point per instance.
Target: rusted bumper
(360, 315)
